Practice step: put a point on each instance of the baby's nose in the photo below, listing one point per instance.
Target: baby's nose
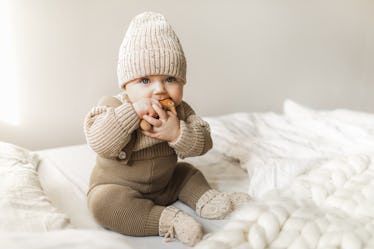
(159, 86)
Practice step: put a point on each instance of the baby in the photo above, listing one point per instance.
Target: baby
(136, 177)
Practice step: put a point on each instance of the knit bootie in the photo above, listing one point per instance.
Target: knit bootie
(175, 223)
(238, 199)
(217, 205)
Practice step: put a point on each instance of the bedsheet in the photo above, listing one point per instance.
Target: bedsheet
(64, 239)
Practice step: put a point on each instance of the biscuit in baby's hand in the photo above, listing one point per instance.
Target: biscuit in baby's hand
(167, 105)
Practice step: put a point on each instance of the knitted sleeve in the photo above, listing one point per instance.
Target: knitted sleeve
(195, 139)
(109, 125)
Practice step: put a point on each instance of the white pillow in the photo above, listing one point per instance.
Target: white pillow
(23, 205)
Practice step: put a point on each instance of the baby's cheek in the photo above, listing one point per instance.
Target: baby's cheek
(177, 103)
(176, 93)
(176, 99)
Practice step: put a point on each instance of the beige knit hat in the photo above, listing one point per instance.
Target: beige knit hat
(150, 47)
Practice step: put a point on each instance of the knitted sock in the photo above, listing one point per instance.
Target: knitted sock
(175, 223)
(238, 199)
(213, 205)
(217, 205)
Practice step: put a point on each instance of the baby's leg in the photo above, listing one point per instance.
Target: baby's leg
(207, 202)
(187, 184)
(124, 210)
(192, 184)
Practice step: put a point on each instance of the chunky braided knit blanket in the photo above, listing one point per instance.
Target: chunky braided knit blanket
(330, 206)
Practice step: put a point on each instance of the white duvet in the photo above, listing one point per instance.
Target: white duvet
(274, 148)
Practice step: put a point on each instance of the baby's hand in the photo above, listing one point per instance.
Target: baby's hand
(144, 107)
(166, 127)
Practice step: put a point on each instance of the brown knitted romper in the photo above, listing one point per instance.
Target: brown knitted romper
(128, 196)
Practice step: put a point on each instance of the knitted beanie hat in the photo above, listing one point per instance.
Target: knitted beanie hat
(150, 47)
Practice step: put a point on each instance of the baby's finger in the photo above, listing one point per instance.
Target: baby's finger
(156, 102)
(161, 113)
(171, 114)
(153, 121)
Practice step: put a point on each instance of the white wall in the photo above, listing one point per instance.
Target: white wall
(242, 55)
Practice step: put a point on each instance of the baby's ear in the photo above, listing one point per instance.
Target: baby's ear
(125, 96)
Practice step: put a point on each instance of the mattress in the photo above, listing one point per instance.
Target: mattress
(64, 175)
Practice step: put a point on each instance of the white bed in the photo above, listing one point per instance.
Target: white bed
(310, 174)
(64, 175)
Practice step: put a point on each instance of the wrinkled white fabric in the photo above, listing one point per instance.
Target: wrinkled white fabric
(330, 206)
(274, 148)
(63, 239)
(23, 205)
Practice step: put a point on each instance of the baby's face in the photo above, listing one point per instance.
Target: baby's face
(157, 87)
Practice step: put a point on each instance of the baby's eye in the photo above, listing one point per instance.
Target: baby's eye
(145, 81)
(170, 79)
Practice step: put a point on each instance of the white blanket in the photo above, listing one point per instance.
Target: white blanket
(275, 148)
(331, 206)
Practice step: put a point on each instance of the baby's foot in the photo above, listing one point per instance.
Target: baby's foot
(217, 205)
(213, 205)
(238, 199)
(175, 223)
